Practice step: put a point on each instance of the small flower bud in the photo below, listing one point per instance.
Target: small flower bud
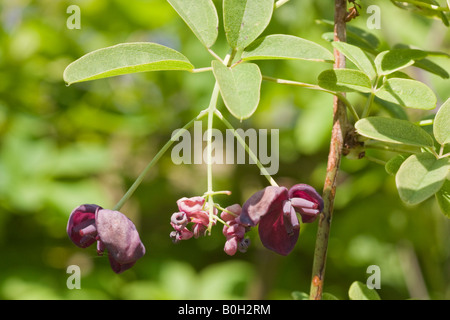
(243, 245)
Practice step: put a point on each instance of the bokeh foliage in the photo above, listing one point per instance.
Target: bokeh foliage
(63, 146)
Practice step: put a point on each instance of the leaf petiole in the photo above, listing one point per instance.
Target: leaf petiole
(315, 87)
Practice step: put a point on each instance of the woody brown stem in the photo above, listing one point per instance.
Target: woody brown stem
(334, 158)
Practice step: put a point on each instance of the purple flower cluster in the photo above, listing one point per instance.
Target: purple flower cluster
(193, 213)
(274, 210)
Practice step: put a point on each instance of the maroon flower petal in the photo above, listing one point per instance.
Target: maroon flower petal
(290, 218)
(264, 202)
(79, 226)
(119, 236)
(303, 197)
(273, 233)
(117, 267)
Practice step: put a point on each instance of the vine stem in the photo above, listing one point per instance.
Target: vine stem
(155, 159)
(334, 158)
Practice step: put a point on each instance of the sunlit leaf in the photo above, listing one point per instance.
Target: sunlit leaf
(396, 59)
(245, 20)
(281, 46)
(360, 291)
(298, 295)
(240, 87)
(408, 93)
(125, 58)
(329, 296)
(201, 17)
(358, 57)
(345, 80)
(393, 131)
(421, 176)
(441, 126)
(394, 164)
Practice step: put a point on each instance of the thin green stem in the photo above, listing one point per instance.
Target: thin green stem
(211, 110)
(221, 221)
(247, 149)
(212, 107)
(433, 152)
(225, 210)
(208, 194)
(316, 87)
(211, 52)
(201, 70)
(368, 105)
(390, 148)
(423, 123)
(292, 83)
(155, 159)
(378, 161)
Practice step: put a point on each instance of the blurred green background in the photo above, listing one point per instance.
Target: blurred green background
(65, 146)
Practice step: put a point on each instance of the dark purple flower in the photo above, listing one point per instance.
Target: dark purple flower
(112, 230)
(275, 208)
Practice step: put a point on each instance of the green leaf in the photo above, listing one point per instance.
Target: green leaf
(443, 198)
(358, 57)
(201, 17)
(393, 109)
(393, 131)
(421, 176)
(359, 291)
(345, 80)
(123, 59)
(245, 20)
(240, 87)
(394, 164)
(441, 126)
(298, 295)
(396, 59)
(281, 46)
(329, 296)
(430, 66)
(355, 36)
(407, 93)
